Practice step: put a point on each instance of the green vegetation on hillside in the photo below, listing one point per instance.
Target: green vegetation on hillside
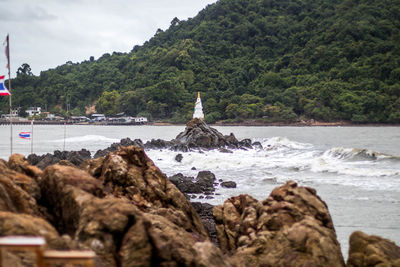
(276, 60)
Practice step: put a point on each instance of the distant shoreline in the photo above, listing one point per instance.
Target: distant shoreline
(244, 123)
(282, 124)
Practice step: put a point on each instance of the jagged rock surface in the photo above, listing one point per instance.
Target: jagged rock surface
(198, 134)
(292, 227)
(114, 147)
(126, 210)
(17, 191)
(369, 250)
(75, 157)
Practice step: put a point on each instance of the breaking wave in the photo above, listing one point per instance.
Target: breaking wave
(88, 139)
(356, 154)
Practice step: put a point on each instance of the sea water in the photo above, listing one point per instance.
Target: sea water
(355, 170)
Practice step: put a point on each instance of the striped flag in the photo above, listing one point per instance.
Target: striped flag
(25, 135)
(3, 89)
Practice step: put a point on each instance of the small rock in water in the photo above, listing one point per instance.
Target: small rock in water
(224, 150)
(228, 184)
(179, 157)
(194, 168)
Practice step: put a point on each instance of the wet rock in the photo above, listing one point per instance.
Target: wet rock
(179, 157)
(228, 184)
(292, 227)
(206, 179)
(198, 134)
(157, 144)
(185, 184)
(75, 157)
(205, 211)
(257, 145)
(204, 183)
(369, 250)
(224, 150)
(245, 143)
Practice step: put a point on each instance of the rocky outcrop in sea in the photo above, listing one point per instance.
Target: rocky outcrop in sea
(197, 136)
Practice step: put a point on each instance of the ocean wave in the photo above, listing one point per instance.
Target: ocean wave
(87, 139)
(283, 143)
(356, 154)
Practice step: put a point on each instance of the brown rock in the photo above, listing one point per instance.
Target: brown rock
(27, 225)
(129, 174)
(156, 241)
(369, 250)
(65, 191)
(292, 227)
(142, 220)
(17, 192)
(20, 164)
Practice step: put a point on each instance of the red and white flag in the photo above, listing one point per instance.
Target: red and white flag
(3, 89)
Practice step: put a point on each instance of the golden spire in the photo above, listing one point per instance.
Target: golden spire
(198, 94)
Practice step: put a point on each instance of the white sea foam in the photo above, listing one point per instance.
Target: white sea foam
(87, 139)
(283, 159)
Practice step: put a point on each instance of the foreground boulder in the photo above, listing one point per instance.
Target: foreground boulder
(126, 210)
(292, 227)
(369, 250)
(18, 191)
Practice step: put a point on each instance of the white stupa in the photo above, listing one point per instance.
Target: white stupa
(198, 108)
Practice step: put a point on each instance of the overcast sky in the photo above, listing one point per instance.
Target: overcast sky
(48, 33)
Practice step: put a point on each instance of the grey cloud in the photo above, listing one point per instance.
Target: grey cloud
(27, 14)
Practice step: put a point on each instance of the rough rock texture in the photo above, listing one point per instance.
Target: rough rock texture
(198, 134)
(75, 157)
(292, 227)
(205, 212)
(204, 183)
(228, 184)
(17, 191)
(27, 225)
(369, 250)
(14, 224)
(125, 209)
(179, 158)
(114, 147)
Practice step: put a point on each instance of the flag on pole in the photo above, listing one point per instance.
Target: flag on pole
(25, 135)
(7, 50)
(3, 89)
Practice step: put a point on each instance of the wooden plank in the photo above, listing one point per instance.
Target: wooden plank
(69, 254)
(22, 241)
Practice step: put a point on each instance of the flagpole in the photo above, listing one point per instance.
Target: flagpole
(65, 134)
(32, 136)
(9, 89)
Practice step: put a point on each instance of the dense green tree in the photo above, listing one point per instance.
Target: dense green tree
(108, 103)
(250, 59)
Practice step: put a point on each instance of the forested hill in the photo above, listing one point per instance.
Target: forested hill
(270, 59)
